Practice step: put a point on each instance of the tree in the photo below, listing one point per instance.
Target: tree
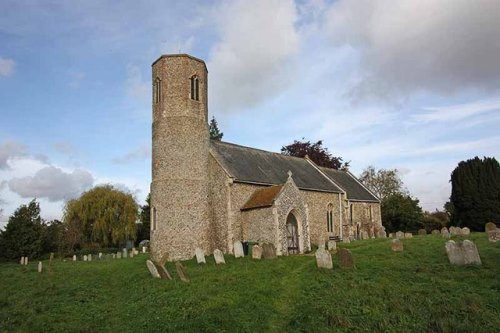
(401, 212)
(316, 152)
(53, 237)
(23, 233)
(102, 215)
(383, 183)
(435, 220)
(143, 231)
(475, 193)
(213, 129)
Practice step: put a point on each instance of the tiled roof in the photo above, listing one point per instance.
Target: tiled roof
(355, 191)
(263, 197)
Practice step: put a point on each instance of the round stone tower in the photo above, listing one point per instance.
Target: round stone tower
(179, 188)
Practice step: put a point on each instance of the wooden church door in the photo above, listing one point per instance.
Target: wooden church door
(292, 234)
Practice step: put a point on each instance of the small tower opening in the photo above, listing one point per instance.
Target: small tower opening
(157, 91)
(195, 88)
(329, 218)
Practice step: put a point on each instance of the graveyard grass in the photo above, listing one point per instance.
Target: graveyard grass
(412, 291)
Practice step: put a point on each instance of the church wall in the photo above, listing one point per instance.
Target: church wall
(317, 203)
(259, 225)
(367, 216)
(218, 198)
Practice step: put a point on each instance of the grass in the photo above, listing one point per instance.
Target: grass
(411, 291)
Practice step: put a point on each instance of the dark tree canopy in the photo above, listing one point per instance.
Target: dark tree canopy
(475, 193)
(401, 212)
(143, 232)
(213, 130)
(316, 152)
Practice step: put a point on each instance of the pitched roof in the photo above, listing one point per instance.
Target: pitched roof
(263, 197)
(250, 165)
(355, 191)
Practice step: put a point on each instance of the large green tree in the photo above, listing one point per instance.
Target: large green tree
(213, 130)
(103, 215)
(23, 233)
(316, 152)
(144, 229)
(475, 193)
(401, 212)
(382, 182)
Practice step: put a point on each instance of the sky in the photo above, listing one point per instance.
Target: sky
(412, 85)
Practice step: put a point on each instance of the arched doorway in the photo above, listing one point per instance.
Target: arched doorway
(292, 234)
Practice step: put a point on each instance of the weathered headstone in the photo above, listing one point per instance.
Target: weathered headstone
(408, 235)
(131, 254)
(114, 256)
(490, 226)
(321, 245)
(125, 252)
(332, 245)
(445, 233)
(494, 235)
(181, 271)
(471, 253)
(74, 257)
(85, 257)
(26, 261)
(422, 232)
(40, 267)
(400, 235)
(268, 251)
(118, 255)
(364, 235)
(397, 245)
(346, 240)
(22, 261)
(163, 271)
(324, 259)
(391, 235)
(256, 252)
(465, 231)
(143, 249)
(345, 258)
(219, 257)
(462, 253)
(152, 269)
(455, 231)
(200, 256)
(100, 255)
(436, 232)
(382, 234)
(89, 258)
(238, 249)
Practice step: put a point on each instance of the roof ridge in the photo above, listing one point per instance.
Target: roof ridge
(258, 149)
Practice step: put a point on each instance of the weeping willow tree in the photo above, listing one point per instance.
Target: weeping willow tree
(102, 215)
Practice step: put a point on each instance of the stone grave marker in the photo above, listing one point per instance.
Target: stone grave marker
(465, 231)
(89, 258)
(332, 245)
(40, 267)
(346, 240)
(219, 257)
(100, 255)
(200, 256)
(22, 261)
(490, 226)
(152, 269)
(436, 232)
(163, 271)
(85, 257)
(408, 235)
(26, 261)
(462, 253)
(391, 235)
(382, 234)
(143, 249)
(114, 256)
(74, 257)
(345, 258)
(125, 252)
(238, 249)
(397, 245)
(494, 235)
(324, 259)
(422, 232)
(256, 252)
(400, 235)
(118, 255)
(471, 254)
(131, 254)
(268, 251)
(181, 271)
(445, 233)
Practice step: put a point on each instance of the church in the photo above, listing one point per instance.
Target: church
(208, 194)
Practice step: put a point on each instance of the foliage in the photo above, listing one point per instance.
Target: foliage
(412, 291)
(143, 230)
(23, 233)
(435, 220)
(53, 237)
(382, 182)
(316, 152)
(401, 212)
(102, 215)
(213, 130)
(475, 193)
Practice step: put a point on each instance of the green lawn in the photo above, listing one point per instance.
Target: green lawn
(413, 291)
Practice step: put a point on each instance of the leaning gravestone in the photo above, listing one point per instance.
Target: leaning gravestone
(332, 245)
(445, 233)
(465, 231)
(256, 252)
(181, 271)
(238, 249)
(219, 257)
(397, 245)
(324, 259)
(408, 235)
(400, 235)
(345, 258)
(462, 253)
(268, 251)
(494, 235)
(164, 273)
(490, 226)
(422, 232)
(39, 267)
(436, 232)
(152, 269)
(200, 256)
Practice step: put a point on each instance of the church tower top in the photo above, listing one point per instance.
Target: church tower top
(180, 55)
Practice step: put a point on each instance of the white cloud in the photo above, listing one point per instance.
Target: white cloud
(257, 40)
(7, 67)
(140, 154)
(458, 112)
(9, 150)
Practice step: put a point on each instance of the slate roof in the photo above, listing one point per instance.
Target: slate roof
(355, 191)
(250, 165)
(263, 197)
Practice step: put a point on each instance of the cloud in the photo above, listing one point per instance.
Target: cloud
(248, 64)
(140, 154)
(7, 67)
(458, 112)
(8, 150)
(52, 183)
(444, 47)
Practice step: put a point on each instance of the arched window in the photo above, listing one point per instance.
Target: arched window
(329, 218)
(157, 91)
(195, 88)
(154, 218)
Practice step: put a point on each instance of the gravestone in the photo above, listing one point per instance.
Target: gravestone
(131, 254)
(89, 258)
(125, 252)
(408, 235)
(422, 232)
(445, 233)
(324, 259)
(332, 245)
(22, 261)
(462, 253)
(256, 252)
(200, 256)
(364, 235)
(465, 231)
(268, 251)
(84, 257)
(400, 235)
(397, 245)
(143, 249)
(471, 253)
(152, 269)
(181, 271)
(238, 249)
(74, 257)
(163, 271)
(26, 261)
(391, 235)
(490, 226)
(40, 267)
(436, 232)
(114, 256)
(346, 240)
(219, 257)
(382, 234)
(345, 258)
(494, 235)
(118, 255)
(100, 255)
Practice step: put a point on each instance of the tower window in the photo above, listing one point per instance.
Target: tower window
(329, 218)
(157, 91)
(154, 218)
(195, 88)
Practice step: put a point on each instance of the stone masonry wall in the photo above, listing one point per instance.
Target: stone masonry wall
(369, 222)
(259, 225)
(218, 198)
(317, 203)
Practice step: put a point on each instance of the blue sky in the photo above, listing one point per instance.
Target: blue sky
(412, 85)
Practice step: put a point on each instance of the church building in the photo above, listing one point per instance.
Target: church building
(208, 194)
